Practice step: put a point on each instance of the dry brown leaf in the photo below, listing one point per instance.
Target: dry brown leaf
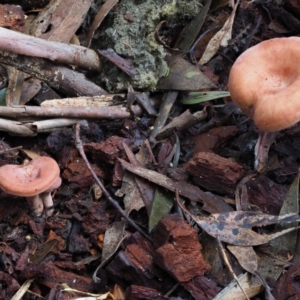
(233, 292)
(119, 293)
(132, 196)
(246, 257)
(221, 38)
(235, 227)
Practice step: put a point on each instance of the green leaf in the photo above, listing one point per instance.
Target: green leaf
(162, 204)
(3, 97)
(198, 97)
(184, 76)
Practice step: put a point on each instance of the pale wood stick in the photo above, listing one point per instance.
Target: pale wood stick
(104, 112)
(24, 44)
(52, 124)
(61, 78)
(15, 128)
(95, 101)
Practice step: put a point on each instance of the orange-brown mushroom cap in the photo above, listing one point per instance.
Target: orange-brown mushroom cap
(265, 83)
(31, 179)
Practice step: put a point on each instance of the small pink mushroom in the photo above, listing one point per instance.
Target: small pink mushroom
(35, 181)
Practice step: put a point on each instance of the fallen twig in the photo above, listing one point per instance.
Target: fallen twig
(163, 114)
(61, 78)
(24, 44)
(103, 112)
(10, 149)
(95, 101)
(15, 128)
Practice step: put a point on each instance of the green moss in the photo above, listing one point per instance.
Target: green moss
(135, 39)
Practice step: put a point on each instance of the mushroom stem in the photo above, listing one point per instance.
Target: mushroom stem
(47, 198)
(48, 203)
(35, 203)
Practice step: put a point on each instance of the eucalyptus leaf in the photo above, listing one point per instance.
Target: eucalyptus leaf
(199, 97)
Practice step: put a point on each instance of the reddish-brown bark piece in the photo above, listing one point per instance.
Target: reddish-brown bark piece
(118, 173)
(96, 219)
(136, 292)
(215, 173)
(23, 260)
(266, 194)
(59, 20)
(288, 286)
(69, 265)
(135, 265)
(67, 155)
(12, 17)
(202, 288)
(107, 151)
(178, 250)
(9, 285)
(50, 275)
(206, 142)
(27, 4)
(78, 173)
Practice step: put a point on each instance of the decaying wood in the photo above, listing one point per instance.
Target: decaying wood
(215, 173)
(95, 101)
(177, 249)
(265, 194)
(11, 283)
(288, 287)
(202, 288)
(143, 293)
(50, 275)
(77, 172)
(107, 151)
(61, 78)
(14, 17)
(211, 140)
(59, 20)
(105, 112)
(135, 264)
(19, 43)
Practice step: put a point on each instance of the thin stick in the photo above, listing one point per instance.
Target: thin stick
(79, 147)
(227, 263)
(19, 43)
(10, 149)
